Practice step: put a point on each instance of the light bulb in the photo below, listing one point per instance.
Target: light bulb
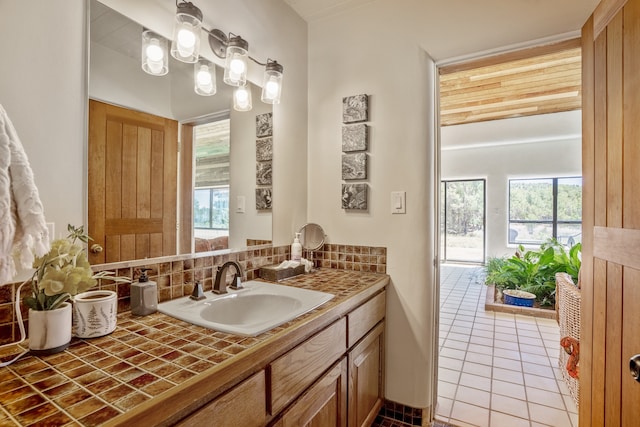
(186, 42)
(155, 52)
(242, 99)
(204, 76)
(271, 88)
(242, 96)
(237, 66)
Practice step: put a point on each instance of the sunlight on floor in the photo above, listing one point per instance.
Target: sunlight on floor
(496, 369)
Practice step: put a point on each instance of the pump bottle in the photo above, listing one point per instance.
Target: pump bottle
(144, 295)
(296, 249)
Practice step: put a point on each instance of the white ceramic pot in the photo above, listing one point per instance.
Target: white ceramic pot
(50, 330)
(94, 313)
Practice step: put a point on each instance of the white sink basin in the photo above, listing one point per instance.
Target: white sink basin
(251, 311)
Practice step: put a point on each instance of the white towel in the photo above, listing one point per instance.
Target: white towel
(23, 229)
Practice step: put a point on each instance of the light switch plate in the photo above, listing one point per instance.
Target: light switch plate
(398, 202)
(240, 203)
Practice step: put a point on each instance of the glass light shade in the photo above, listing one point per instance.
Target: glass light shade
(185, 44)
(204, 77)
(242, 98)
(155, 59)
(272, 83)
(235, 67)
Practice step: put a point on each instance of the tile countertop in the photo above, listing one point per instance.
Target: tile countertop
(152, 361)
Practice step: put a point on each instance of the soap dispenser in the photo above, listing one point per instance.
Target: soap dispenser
(144, 295)
(296, 249)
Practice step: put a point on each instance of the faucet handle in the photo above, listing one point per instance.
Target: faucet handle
(237, 282)
(198, 292)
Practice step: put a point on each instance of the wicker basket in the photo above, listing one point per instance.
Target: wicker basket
(568, 303)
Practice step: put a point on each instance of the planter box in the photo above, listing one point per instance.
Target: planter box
(492, 305)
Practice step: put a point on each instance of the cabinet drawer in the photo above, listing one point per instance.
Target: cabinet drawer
(365, 317)
(243, 405)
(292, 373)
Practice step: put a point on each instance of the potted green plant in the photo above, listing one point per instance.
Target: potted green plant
(534, 270)
(60, 274)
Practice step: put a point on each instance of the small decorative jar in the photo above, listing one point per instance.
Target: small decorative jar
(94, 313)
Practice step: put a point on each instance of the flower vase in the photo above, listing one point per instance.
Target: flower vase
(94, 313)
(50, 330)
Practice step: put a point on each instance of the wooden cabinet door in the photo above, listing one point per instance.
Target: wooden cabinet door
(132, 184)
(611, 215)
(366, 393)
(323, 405)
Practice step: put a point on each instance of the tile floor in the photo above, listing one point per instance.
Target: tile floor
(496, 369)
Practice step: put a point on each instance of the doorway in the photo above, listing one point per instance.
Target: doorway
(462, 219)
(500, 369)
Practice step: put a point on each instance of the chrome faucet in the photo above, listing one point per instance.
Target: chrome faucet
(220, 285)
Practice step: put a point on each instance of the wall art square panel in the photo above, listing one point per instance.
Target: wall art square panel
(263, 198)
(355, 137)
(354, 166)
(355, 109)
(264, 149)
(264, 125)
(263, 173)
(354, 196)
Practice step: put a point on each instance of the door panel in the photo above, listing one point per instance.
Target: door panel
(132, 182)
(611, 215)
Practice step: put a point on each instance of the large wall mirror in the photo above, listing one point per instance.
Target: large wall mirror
(216, 157)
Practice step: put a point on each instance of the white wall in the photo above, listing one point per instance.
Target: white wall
(543, 146)
(363, 51)
(44, 91)
(42, 87)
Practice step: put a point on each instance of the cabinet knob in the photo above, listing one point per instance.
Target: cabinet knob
(634, 367)
(95, 248)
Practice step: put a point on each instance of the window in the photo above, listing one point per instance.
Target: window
(211, 208)
(540, 209)
(211, 193)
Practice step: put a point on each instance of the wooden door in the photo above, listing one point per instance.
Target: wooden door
(611, 215)
(132, 183)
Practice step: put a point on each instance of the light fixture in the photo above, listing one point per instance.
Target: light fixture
(272, 82)
(204, 77)
(242, 98)
(155, 60)
(185, 45)
(235, 67)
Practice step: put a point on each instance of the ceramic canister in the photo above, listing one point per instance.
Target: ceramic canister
(50, 330)
(94, 313)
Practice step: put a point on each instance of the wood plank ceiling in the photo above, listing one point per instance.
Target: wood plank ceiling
(546, 82)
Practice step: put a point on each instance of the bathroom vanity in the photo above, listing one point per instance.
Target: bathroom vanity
(326, 366)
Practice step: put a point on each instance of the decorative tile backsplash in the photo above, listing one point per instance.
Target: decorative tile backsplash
(176, 275)
(350, 257)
